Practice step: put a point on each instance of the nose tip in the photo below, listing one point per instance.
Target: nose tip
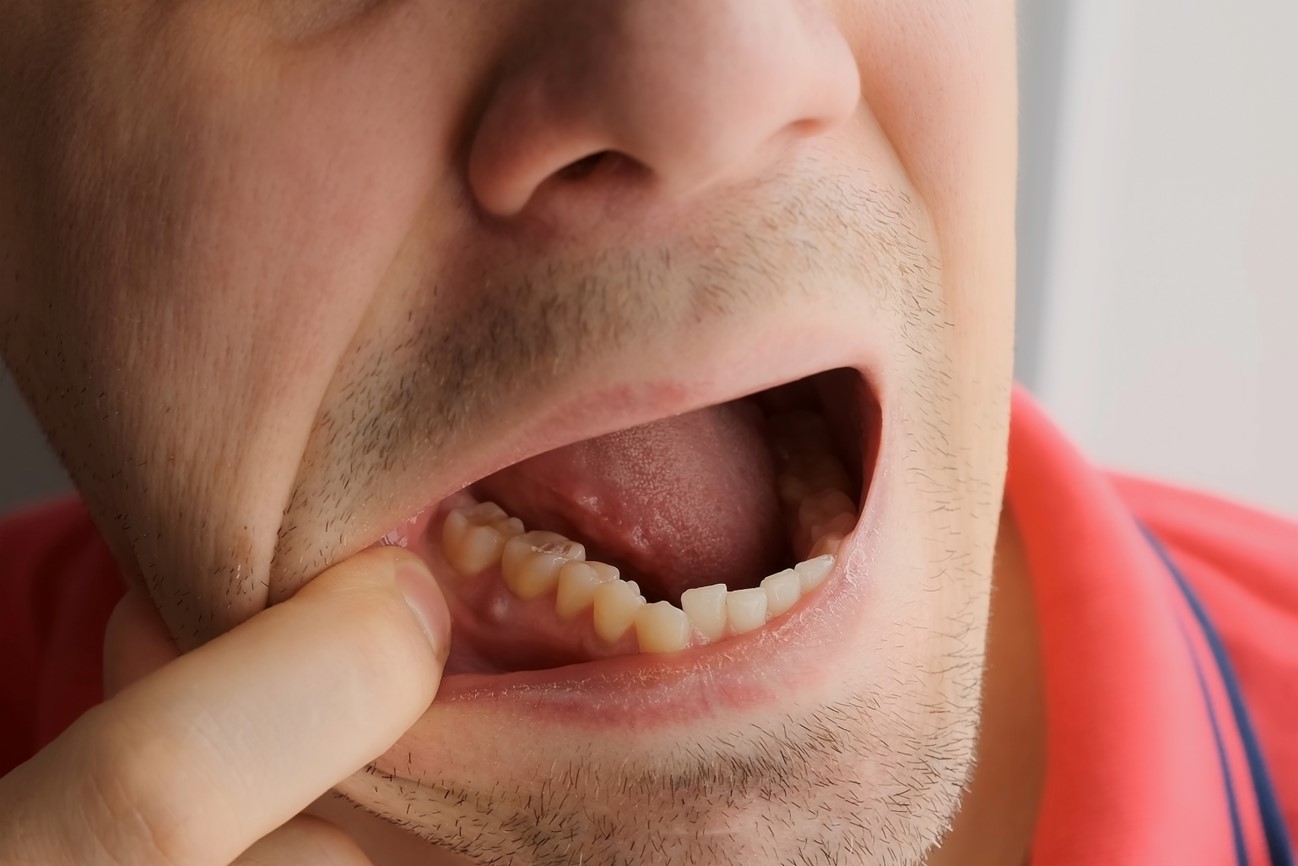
(686, 94)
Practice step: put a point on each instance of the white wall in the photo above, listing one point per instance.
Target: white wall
(1169, 333)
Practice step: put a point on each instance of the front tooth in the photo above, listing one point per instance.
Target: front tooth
(745, 609)
(470, 548)
(577, 584)
(616, 604)
(531, 562)
(813, 572)
(662, 627)
(783, 590)
(706, 608)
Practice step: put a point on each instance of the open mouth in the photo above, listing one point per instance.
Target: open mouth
(663, 544)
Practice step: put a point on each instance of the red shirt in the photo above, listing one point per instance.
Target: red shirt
(1148, 759)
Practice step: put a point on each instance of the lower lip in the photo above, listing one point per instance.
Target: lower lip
(738, 674)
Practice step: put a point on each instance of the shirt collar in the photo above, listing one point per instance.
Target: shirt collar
(1135, 706)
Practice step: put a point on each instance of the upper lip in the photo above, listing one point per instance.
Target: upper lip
(622, 404)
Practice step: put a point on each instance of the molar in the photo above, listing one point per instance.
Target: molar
(820, 508)
(809, 474)
(577, 584)
(473, 539)
(530, 563)
(839, 524)
(827, 545)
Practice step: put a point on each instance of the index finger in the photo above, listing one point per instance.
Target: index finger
(199, 760)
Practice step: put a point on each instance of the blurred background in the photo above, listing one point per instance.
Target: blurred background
(1158, 215)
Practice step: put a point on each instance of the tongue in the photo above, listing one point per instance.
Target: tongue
(679, 503)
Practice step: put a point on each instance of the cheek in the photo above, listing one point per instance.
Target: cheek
(941, 77)
(241, 219)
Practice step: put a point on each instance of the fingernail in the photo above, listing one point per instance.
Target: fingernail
(425, 598)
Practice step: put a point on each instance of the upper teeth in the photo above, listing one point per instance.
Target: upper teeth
(813, 483)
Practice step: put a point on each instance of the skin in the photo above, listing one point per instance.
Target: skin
(274, 275)
(245, 732)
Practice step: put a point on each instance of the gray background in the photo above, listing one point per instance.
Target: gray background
(28, 469)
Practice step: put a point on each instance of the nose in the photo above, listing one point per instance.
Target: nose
(679, 94)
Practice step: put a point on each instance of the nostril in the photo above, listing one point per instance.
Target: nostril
(654, 101)
(605, 175)
(609, 165)
(584, 167)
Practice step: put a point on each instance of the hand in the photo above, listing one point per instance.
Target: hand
(209, 758)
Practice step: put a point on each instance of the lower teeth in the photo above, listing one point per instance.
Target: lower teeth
(813, 487)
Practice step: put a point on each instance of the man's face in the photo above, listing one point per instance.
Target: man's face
(294, 275)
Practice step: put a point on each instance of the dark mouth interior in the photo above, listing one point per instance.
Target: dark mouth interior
(691, 500)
